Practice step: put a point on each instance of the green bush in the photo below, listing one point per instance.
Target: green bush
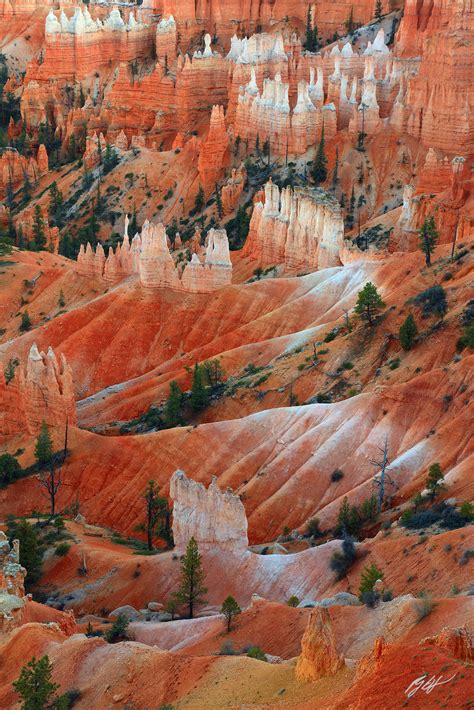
(62, 549)
(293, 601)
(256, 652)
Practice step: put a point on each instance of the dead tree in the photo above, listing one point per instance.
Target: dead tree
(51, 480)
(385, 479)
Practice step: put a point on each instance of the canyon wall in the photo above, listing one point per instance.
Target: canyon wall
(301, 228)
(216, 520)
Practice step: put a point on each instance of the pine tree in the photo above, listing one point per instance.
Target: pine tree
(30, 551)
(335, 173)
(111, 158)
(35, 688)
(39, 238)
(61, 299)
(350, 26)
(369, 303)
(56, 205)
(370, 575)
(199, 398)
(230, 609)
(319, 171)
(435, 481)
(157, 515)
(408, 332)
(200, 200)
(10, 469)
(173, 413)
(378, 9)
(44, 445)
(309, 39)
(72, 148)
(191, 590)
(26, 192)
(25, 322)
(350, 211)
(220, 210)
(428, 238)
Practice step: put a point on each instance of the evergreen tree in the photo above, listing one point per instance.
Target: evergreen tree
(118, 630)
(173, 413)
(319, 171)
(378, 9)
(191, 590)
(25, 322)
(30, 551)
(5, 245)
(87, 179)
(199, 398)
(257, 144)
(111, 159)
(56, 205)
(10, 469)
(72, 148)
(9, 194)
(61, 299)
(44, 445)
(26, 192)
(408, 332)
(350, 211)
(200, 200)
(230, 609)
(369, 303)
(335, 172)
(35, 688)
(369, 576)
(39, 238)
(220, 210)
(435, 481)
(309, 39)
(213, 372)
(157, 516)
(350, 26)
(428, 238)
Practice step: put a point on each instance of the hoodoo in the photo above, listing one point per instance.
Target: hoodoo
(236, 353)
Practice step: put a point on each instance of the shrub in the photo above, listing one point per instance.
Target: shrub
(370, 576)
(342, 561)
(62, 549)
(227, 649)
(256, 652)
(313, 529)
(465, 557)
(387, 596)
(71, 697)
(118, 630)
(323, 398)
(293, 601)
(432, 301)
(337, 475)
(466, 511)
(347, 365)
(370, 599)
(424, 606)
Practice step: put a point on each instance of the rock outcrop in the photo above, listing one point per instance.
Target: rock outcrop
(149, 256)
(40, 391)
(213, 150)
(319, 656)
(298, 228)
(216, 520)
(457, 642)
(12, 587)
